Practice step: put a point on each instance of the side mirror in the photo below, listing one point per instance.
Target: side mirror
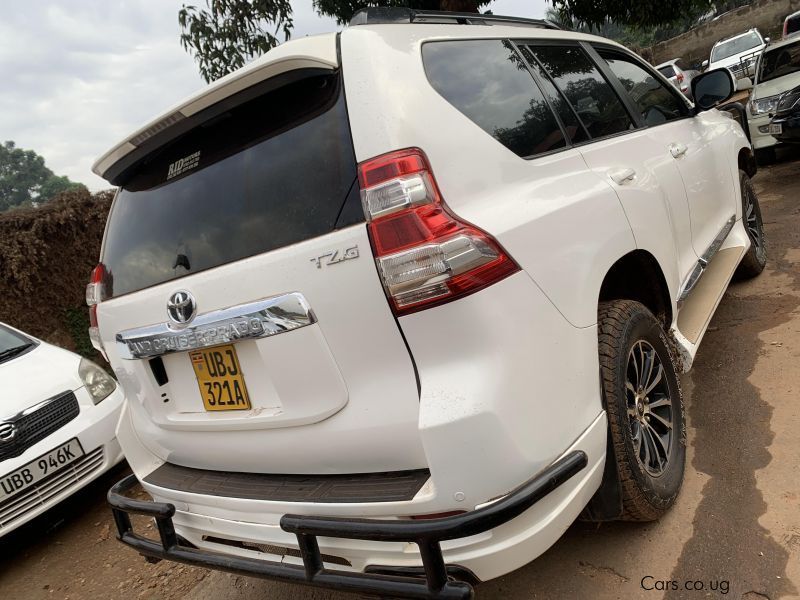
(767, 40)
(745, 83)
(712, 87)
(705, 63)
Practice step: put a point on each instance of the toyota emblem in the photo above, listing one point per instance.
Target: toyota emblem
(181, 307)
(7, 432)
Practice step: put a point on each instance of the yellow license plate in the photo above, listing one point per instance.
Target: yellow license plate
(220, 378)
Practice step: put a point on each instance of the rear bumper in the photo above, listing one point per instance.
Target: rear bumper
(427, 535)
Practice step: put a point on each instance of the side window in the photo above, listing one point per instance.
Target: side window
(578, 78)
(569, 120)
(656, 103)
(489, 83)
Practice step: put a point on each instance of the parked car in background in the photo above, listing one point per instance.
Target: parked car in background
(738, 53)
(58, 415)
(778, 72)
(449, 305)
(791, 25)
(681, 78)
(785, 126)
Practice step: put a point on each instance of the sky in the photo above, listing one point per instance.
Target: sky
(77, 76)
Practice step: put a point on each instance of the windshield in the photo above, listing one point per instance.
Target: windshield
(735, 46)
(271, 172)
(779, 62)
(12, 343)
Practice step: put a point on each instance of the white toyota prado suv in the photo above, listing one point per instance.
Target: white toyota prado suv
(392, 307)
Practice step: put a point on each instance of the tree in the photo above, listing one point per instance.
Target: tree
(24, 178)
(640, 33)
(228, 33)
(649, 13)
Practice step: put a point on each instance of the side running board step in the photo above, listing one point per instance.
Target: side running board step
(696, 312)
(703, 262)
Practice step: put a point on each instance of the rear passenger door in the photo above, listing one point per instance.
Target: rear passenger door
(695, 145)
(622, 150)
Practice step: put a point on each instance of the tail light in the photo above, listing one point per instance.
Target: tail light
(679, 77)
(95, 294)
(426, 255)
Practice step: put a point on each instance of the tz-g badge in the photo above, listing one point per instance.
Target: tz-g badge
(335, 256)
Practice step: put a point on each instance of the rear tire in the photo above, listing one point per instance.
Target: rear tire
(644, 404)
(755, 259)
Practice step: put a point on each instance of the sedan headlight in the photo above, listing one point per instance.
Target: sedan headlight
(98, 383)
(764, 105)
(789, 100)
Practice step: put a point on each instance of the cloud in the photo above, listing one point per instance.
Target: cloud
(78, 76)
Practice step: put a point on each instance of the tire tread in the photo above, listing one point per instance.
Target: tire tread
(613, 318)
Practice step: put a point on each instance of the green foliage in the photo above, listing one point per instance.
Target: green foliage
(46, 256)
(641, 14)
(228, 33)
(641, 34)
(231, 32)
(24, 178)
(342, 10)
(76, 322)
(56, 185)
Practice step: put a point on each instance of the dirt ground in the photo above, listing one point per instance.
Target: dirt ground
(734, 532)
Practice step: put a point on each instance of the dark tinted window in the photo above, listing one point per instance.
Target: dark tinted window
(572, 126)
(488, 82)
(667, 71)
(656, 103)
(593, 98)
(271, 172)
(792, 25)
(779, 62)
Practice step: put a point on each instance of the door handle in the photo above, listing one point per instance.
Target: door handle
(620, 176)
(677, 150)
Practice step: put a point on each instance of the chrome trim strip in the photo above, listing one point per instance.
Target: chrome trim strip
(691, 281)
(697, 271)
(254, 320)
(717, 243)
(32, 409)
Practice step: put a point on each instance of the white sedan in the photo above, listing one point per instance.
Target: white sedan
(58, 415)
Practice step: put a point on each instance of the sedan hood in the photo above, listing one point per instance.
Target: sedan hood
(42, 373)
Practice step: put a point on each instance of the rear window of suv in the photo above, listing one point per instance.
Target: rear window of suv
(668, 71)
(271, 172)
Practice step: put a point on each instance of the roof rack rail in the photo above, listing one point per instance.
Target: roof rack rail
(395, 15)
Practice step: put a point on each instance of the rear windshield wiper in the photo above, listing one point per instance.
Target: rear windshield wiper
(15, 351)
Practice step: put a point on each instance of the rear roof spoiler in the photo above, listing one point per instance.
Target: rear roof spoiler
(290, 61)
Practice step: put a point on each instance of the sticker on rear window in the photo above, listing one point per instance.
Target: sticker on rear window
(184, 164)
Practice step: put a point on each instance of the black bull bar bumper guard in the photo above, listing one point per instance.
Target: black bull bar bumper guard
(427, 534)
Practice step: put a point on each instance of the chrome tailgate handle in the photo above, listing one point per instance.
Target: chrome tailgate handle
(263, 318)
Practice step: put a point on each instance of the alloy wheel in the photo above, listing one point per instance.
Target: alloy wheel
(650, 408)
(753, 221)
